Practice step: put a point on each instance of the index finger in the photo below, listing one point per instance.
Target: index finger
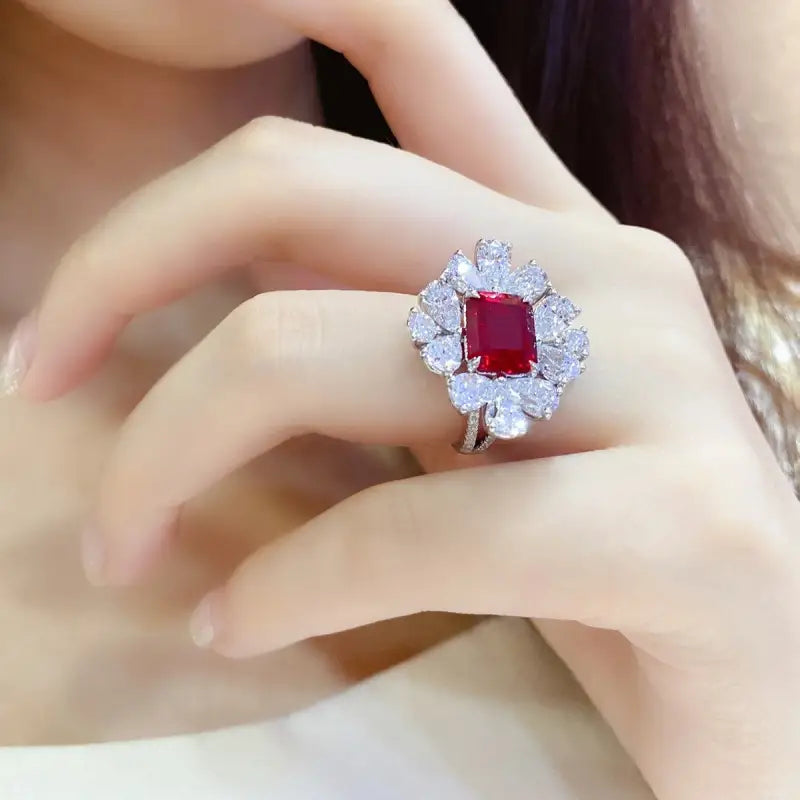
(442, 95)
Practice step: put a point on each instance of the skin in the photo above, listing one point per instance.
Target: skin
(680, 621)
(58, 180)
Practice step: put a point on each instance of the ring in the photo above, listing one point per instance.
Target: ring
(502, 338)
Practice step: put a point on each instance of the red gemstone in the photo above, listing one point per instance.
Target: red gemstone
(500, 332)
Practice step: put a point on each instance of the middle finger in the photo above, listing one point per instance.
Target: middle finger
(289, 192)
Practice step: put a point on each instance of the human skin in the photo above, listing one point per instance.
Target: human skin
(81, 128)
(681, 623)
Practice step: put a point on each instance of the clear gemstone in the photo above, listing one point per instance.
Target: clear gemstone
(493, 259)
(577, 343)
(462, 275)
(512, 389)
(443, 355)
(541, 399)
(469, 392)
(505, 420)
(443, 305)
(423, 328)
(558, 365)
(530, 282)
(549, 326)
(565, 308)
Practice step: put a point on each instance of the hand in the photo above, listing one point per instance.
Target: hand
(646, 527)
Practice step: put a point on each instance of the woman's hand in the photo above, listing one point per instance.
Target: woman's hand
(646, 527)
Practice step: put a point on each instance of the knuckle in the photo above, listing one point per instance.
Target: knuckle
(276, 334)
(371, 36)
(659, 252)
(268, 138)
(394, 516)
(678, 352)
(720, 493)
(86, 259)
(386, 508)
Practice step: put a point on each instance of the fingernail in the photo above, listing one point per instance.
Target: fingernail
(93, 554)
(204, 623)
(18, 356)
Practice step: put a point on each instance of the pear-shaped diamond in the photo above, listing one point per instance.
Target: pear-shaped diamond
(443, 355)
(470, 391)
(541, 399)
(505, 420)
(423, 329)
(530, 282)
(462, 275)
(442, 305)
(557, 364)
(577, 342)
(493, 259)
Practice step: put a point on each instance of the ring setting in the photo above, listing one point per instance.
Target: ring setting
(504, 340)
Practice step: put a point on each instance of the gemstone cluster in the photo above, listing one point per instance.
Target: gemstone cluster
(501, 336)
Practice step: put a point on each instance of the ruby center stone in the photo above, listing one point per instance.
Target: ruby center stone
(500, 332)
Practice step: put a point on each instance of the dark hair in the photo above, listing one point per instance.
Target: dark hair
(619, 96)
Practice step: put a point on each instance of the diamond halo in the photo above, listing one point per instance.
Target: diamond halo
(502, 338)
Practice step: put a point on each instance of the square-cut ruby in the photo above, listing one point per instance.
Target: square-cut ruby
(500, 332)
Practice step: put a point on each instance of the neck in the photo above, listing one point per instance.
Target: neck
(80, 128)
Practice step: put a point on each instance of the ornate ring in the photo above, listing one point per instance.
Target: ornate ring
(503, 340)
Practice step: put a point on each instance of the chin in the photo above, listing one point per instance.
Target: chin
(193, 34)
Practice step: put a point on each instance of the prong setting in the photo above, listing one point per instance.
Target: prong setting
(478, 347)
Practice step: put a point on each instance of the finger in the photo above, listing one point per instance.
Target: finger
(282, 191)
(442, 95)
(288, 363)
(540, 539)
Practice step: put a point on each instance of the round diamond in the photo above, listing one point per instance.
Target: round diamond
(443, 355)
(423, 328)
(541, 399)
(530, 282)
(469, 392)
(462, 275)
(443, 305)
(505, 420)
(557, 364)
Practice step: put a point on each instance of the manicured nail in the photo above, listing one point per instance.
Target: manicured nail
(93, 554)
(18, 356)
(204, 623)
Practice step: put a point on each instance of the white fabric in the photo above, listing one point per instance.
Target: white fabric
(489, 714)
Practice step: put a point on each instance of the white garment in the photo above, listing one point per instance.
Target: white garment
(489, 714)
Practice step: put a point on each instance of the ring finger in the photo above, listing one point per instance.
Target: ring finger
(286, 363)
